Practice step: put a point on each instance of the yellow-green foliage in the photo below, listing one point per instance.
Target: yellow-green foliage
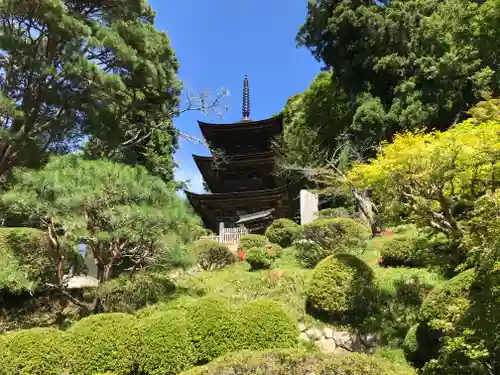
(263, 257)
(434, 171)
(282, 232)
(252, 240)
(212, 255)
(341, 286)
(25, 257)
(323, 237)
(37, 351)
(445, 305)
(266, 324)
(127, 294)
(164, 345)
(102, 343)
(214, 323)
(300, 363)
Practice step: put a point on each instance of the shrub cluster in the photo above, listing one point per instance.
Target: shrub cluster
(213, 255)
(300, 363)
(323, 237)
(252, 240)
(282, 232)
(128, 294)
(341, 288)
(263, 257)
(166, 340)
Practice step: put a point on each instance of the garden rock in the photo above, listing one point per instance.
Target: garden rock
(325, 345)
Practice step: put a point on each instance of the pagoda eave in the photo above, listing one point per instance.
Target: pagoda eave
(238, 196)
(273, 125)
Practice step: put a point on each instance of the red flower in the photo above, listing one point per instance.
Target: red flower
(269, 250)
(388, 233)
(428, 291)
(241, 255)
(276, 274)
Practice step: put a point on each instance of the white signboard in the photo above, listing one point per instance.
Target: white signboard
(308, 206)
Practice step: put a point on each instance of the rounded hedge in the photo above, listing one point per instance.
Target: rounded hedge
(266, 324)
(323, 237)
(300, 363)
(36, 351)
(103, 343)
(213, 255)
(215, 328)
(445, 304)
(263, 257)
(341, 288)
(282, 232)
(252, 240)
(165, 345)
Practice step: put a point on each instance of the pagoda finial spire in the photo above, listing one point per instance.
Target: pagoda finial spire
(246, 99)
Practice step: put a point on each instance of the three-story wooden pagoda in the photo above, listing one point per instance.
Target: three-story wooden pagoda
(245, 188)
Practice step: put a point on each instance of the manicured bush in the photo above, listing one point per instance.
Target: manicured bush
(337, 212)
(263, 257)
(103, 343)
(165, 345)
(341, 288)
(420, 345)
(252, 240)
(215, 327)
(323, 237)
(213, 255)
(128, 294)
(282, 232)
(300, 362)
(37, 351)
(266, 324)
(31, 250)
(445, 304)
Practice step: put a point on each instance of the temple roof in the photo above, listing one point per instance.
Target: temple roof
(267, 156)
(218, 135)
(236, 196)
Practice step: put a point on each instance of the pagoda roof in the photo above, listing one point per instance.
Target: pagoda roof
(204, 203)
(236, 196)
(266, 156)
(273, 126)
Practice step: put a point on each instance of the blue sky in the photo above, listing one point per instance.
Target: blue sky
(219, 41)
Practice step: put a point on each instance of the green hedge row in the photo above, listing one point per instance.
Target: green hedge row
(162, 341)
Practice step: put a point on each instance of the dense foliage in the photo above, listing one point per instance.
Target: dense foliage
(282, 232)
(322, 237)
(212, 255)
(252, 240)
(263, 257)
(341, 288)
(125, 217)
(87, 68)
(300, 363)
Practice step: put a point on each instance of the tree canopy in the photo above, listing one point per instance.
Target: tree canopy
(86, 68)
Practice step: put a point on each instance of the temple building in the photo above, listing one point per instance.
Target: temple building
(245, 188)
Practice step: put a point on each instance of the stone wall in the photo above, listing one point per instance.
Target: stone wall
(334, 341)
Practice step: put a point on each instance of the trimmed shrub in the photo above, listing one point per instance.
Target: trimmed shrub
(37, 351)
(323, 237)
(341, 288)
(266, 324)
(128, 294)
(103, 343)
(445, 304)
(282, 232)
(213, 255)
(252, 240)
(215, 327)
(300, 362)
(263, 257)
(419, 345)
(165, 345)
(30, 248)
(337, 212)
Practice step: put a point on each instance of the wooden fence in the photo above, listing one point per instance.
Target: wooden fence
(230, 235)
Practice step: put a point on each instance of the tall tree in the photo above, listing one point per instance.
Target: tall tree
(406, 63)
(97, 68)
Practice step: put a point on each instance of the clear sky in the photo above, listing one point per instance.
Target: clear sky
(219, 41)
